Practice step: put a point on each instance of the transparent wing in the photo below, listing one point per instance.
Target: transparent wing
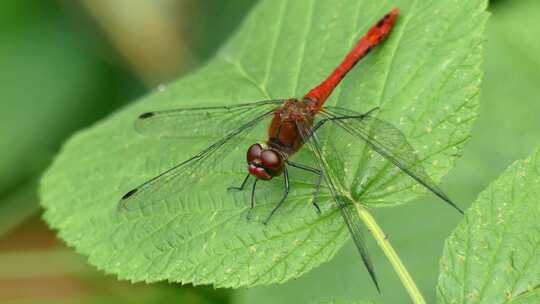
(389, 142)
(348, 210)
(189, 172)
(200, 122)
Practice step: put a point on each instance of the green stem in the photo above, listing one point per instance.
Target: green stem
(391, 254)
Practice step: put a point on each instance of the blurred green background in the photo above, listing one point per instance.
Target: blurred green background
(66, 64)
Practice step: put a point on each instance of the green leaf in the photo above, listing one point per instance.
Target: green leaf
(507, 128)
(527, 297)
(493, 255)
(425, 78)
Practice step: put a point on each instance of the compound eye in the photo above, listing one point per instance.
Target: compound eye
(271, 160)
(254, 152)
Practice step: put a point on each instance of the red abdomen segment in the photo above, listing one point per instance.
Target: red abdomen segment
(372, 38)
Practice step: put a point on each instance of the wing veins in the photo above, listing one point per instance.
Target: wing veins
(351, 218)
(196, 122)
(175, 171)
(382, 149)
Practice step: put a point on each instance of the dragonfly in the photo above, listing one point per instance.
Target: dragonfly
(294, 122)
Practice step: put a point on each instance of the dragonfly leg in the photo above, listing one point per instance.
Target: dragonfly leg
(252, 201)
(317, 186)
(325, 120)
(285, 194)
(344, 117)
(242, 186)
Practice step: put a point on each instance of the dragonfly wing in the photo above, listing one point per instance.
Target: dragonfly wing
(189, 172)
(389, 142)
(201, 121)
(348, 210)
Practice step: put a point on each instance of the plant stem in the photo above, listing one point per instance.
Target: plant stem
(391, 254)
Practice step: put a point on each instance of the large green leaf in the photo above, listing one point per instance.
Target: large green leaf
(493, 256)
(507, 129)
(425, 78)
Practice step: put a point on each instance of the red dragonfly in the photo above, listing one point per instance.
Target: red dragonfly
(294, 123)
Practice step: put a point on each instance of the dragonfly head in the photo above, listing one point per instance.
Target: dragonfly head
(264, 163)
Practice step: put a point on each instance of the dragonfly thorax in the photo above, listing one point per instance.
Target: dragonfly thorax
(297, 109)
(263, 162)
